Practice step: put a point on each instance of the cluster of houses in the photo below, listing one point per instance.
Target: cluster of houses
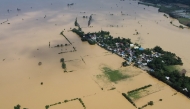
(126, 51)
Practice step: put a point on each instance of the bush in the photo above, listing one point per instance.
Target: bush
(181, 27)
(40, 63)
(66, 101)
(47, 106)
(150, 103)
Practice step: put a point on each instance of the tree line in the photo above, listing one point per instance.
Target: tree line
(169, 1)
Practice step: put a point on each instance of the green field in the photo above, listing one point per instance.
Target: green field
(114, 75)
(135, 95)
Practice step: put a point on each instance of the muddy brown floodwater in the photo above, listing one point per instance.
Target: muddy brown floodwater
(24, 42)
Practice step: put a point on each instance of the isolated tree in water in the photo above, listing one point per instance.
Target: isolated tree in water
(62, 60)
(63, 65)
(17, 107)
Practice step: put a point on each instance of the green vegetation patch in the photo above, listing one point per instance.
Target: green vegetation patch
(172, 68)
(185, 21)
(114, 75)
(168, 9)
(129, 99)
(135, 95)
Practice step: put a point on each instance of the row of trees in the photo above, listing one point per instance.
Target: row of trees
(129, 99)
(144, 87)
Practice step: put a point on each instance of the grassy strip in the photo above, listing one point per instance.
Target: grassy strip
(135, 90)
(129, 99)
(168, 10)
(135, 95)
(184, 21)
(172, 68)
(114, 75)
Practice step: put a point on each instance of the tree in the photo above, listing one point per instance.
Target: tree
(158, 49)
(17, 107)
(47, 106)
(156, 64)
(62, 60)
(63, 65)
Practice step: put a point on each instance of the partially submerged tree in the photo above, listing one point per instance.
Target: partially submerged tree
(62, 60)
(150, 103)
(39, 63)
(63, 65)
(17, 106)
